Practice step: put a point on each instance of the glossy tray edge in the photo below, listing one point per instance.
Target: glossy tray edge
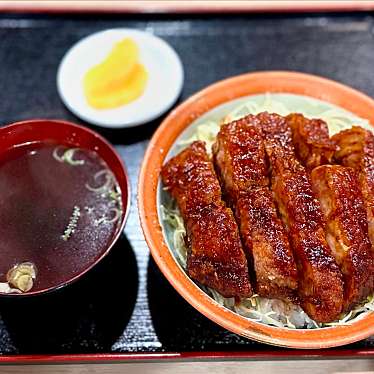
(159, 7)
(188, 356)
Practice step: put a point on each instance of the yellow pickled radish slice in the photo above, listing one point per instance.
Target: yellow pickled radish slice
(118, 80)
(130, 90)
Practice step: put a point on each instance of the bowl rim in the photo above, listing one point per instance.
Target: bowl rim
(58, 122)
(210, 97)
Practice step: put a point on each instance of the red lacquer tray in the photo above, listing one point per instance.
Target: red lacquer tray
(125, 309)
(177, 6)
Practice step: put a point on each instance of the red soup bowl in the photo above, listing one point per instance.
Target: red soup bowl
(58, 266)
(162, 146)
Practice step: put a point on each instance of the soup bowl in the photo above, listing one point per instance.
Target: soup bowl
(70, 266)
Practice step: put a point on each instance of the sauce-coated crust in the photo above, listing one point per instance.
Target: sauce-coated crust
(239, 157)
(275, 131)
(239, 154)
(320, 280)
(191, 179)
(216, 258)
(267, 243)
(338, 190)
(215, 254)
(311, 140)
(356, 150)
(320, 283)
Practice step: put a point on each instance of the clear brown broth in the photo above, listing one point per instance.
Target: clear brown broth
(37, 198)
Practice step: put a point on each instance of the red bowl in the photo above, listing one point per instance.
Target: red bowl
(72, 135)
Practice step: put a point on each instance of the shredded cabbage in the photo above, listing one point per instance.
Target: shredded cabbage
(268, 311)
(337, 119)
(206, 132)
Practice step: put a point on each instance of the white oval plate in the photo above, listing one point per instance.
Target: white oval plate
(165, 78)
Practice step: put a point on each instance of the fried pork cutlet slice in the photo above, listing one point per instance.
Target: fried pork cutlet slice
(320, 280)
(215, 255)
(266, 243)
(216, 258)
(337, 188)
(191, 180)
(356, 150)
(275, 131)
(239, 157)
(311, 140)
